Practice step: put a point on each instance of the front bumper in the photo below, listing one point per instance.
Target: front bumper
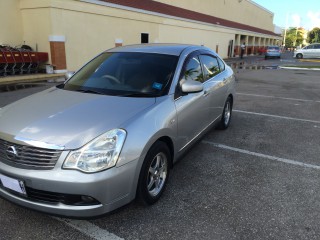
(111, 188)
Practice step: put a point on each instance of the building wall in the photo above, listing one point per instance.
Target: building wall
(88, 29)
(243, 11)
(10, 23)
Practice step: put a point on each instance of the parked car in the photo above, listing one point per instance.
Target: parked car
(261, 50)
(112, 131)
(311, 51)
(272, 52)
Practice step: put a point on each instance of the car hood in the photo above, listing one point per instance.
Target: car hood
(65, 118)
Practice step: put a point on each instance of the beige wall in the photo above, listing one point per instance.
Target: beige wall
(90, 28)
(10, 23)
(244, 11)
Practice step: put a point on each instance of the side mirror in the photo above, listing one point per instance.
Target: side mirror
(68, 75)
(190, 86)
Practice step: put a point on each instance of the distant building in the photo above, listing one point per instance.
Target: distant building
(73, 31)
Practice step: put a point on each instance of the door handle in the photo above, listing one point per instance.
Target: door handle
(205, 93)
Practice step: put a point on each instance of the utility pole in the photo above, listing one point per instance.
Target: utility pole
(285, 31)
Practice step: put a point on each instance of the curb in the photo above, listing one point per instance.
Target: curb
(297, 68)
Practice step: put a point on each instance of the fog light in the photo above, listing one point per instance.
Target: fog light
(87, 199)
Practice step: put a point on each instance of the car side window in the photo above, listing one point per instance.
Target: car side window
(221, 64)
(317, 46)
(193, 70)
(210, 66)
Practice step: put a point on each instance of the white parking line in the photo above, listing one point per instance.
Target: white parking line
(276, 116)
(89, 229)
(273, 158)
(265, 96)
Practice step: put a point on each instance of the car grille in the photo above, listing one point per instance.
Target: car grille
(28, 157)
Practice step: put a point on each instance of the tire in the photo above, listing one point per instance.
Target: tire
(299, 56)
(154, 174)
(226, 115)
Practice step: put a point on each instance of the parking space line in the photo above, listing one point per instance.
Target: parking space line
(276, 116)
(273, 158)
(265, 96)
(89, 229)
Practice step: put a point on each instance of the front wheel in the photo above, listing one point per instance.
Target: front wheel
(154, 173)
(299, 56)
(226, 115)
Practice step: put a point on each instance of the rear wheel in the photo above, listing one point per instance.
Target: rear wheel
(299, 56)
(226, 115)
(154, 173)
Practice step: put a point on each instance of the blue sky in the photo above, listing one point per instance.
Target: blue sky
(300, 13)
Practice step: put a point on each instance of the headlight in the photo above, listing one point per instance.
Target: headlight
(99, 154)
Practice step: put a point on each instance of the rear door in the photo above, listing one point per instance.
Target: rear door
(214, 84)
(317, 51)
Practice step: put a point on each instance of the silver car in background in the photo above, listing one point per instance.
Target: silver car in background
(311, 51)
(111, 132)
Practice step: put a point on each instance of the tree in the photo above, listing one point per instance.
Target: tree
(289, 41)
(314, 35)
(294, 37)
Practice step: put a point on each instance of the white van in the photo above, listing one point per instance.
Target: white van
(311, 51)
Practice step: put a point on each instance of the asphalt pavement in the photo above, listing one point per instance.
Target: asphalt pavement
(259, 179)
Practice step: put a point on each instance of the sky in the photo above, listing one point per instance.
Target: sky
(298, 13)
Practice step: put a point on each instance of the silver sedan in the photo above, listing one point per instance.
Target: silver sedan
(112, 131)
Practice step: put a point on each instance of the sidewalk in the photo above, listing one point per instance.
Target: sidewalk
(8, 80)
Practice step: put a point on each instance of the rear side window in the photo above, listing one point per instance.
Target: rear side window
(193, 70)
(210, 66)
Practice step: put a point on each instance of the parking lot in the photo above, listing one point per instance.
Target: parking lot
(257, 180)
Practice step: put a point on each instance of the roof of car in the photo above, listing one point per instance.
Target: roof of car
(169, 49)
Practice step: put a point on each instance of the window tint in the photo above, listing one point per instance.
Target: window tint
(317, 46)
(123, 74)
(310, 47)
(210, 66)
(193, 70)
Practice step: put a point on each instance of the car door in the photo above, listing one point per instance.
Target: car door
(215, 84)
(317, 51)
(193, 109)
(308, 51)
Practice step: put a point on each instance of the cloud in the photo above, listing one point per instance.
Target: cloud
(313, 19)
(295, 20)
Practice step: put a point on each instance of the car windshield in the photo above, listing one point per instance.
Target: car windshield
(125, 74)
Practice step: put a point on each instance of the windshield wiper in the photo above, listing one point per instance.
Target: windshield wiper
(139, 94)
(89, 91)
